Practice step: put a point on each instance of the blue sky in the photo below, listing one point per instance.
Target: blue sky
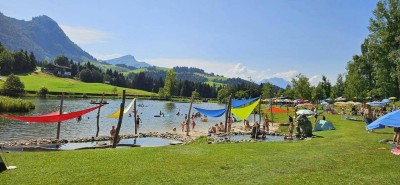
(247, 38)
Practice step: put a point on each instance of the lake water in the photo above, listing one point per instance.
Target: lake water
(17, 130)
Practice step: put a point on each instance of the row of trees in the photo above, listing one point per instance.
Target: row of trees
(16, 62)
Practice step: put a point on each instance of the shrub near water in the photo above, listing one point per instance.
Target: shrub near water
(15, 105)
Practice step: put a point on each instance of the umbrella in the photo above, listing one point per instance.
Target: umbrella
(357, 103)
(340, 99)
(305, 111)
(392, 98)
(324, 103)
(391, 119)
(328, 99)
(386, 101)
(376, 104)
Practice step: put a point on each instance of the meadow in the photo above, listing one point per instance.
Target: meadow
(347, 155)
(34, 81)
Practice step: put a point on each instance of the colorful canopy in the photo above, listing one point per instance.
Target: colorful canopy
(211, 113)
(51, 117)
(126, 109)
(220, 112)
(238, 103)
(244, 112)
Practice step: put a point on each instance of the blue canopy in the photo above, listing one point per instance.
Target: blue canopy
(386, 101)
(391, 119)
(238, 103)
(211, 113)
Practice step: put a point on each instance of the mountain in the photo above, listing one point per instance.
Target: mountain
(280, 82)
(127, 60)
(42, 36)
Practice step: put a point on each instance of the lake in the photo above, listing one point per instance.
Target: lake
(16, 130)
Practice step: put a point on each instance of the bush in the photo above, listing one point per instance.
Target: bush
(13, 87)
(43, 92)
(15, 105)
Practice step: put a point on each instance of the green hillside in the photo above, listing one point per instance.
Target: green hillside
(34, 81)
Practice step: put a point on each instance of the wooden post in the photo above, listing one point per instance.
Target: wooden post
(135, 114)
(98, 115)
(61, 111)
(272, 114)
(188, 118)
(121, 115)
(227, 112)
(259, 111)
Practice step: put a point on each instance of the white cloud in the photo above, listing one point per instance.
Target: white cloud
(314, 80)
(228, 69)
(82, 35)
(245, 73)
(106, 56)
(289, 75)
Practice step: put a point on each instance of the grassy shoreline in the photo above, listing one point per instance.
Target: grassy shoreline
(348, 155)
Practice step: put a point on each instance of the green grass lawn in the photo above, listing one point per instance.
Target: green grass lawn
(34, 81)
(348, 155)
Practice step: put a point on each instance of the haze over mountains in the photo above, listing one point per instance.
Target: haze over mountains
(127, 60)
(44, 37)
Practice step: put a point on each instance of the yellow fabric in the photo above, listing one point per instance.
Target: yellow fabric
(116, 113)
(244, 112)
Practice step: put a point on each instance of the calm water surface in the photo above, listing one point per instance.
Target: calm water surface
(16, 130)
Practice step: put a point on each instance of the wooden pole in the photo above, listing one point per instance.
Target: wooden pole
(188, 118)
(272, 114)
(135, 114)
(227, 112)
(98, 115)
(121, 115)
(259, 111)
(61, 111)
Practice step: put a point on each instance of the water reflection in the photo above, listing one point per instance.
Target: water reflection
(16, 130)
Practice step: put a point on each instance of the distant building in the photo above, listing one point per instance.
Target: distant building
(58, 70)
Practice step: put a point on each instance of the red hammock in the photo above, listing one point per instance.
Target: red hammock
(51, 117)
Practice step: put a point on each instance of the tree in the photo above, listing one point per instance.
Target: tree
(6, 61)
(301, 87)
(170, 83)
(62, 61)
(267, 90)
(13, 86)
(339, 87)
(43, 92)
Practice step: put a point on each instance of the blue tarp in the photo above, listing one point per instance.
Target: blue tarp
(211, 113)
(391, 119)
(238, 103)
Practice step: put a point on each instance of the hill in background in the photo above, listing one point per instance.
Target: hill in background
(127, 60)
(42, 36)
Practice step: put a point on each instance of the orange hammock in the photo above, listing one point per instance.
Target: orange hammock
(51, 117)
(277, 110)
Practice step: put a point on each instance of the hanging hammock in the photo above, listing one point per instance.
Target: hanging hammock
(211, 113)
(51, 117)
